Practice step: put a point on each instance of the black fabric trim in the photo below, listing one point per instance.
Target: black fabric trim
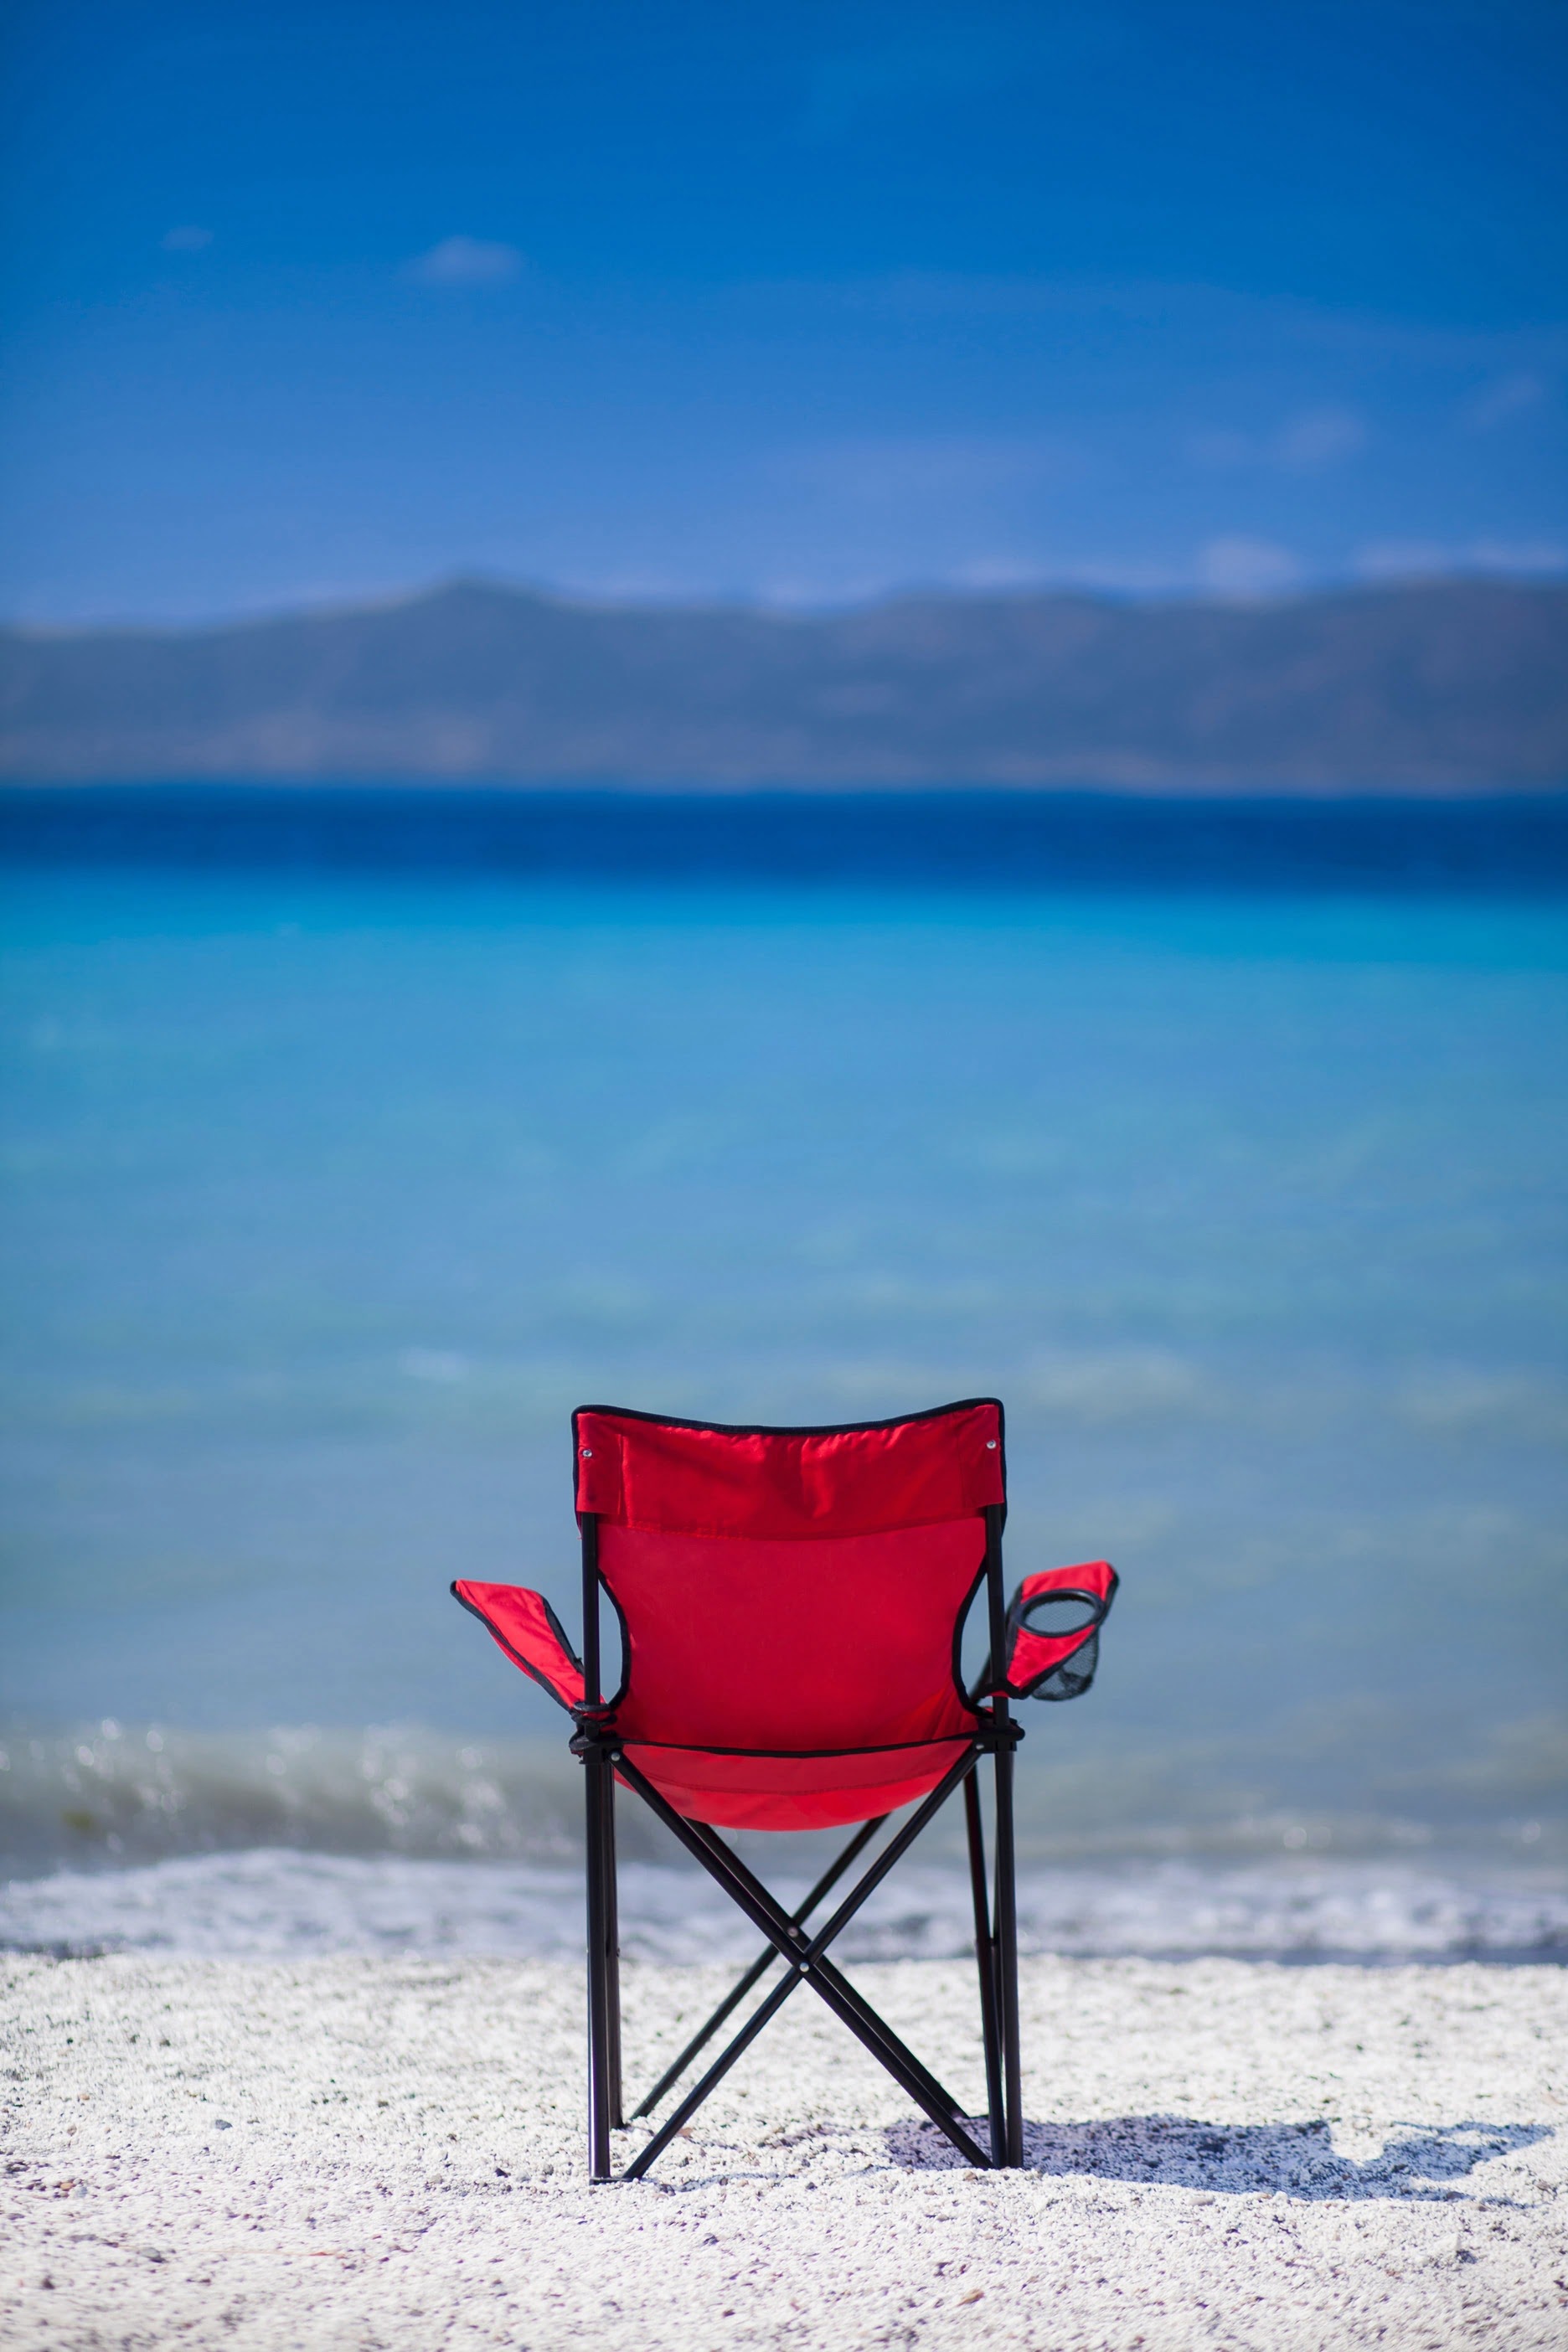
(605, 1586)
(516, 1657)
(786, 1429)
(800, 1429)
(559, 1630)
(965, 1606)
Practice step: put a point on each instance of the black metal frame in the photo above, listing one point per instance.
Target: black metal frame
(805, 1957)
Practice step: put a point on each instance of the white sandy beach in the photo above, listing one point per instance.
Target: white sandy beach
(376, 2153)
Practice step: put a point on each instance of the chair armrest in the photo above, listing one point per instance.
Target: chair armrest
(1053, 1631)
(531, 1633)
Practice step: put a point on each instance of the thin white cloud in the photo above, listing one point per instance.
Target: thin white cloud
(1531, 555)
(188, 238)
(467, 261)
(1308, 442)
(806, 592)
(1430, 559)
(1003, 575)
(1510, 396)
(1320, 436)
(997, 575)
(1247, 567)
(1402, 559)
(1222, 450)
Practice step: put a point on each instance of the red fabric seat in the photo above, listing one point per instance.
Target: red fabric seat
(795, 1682)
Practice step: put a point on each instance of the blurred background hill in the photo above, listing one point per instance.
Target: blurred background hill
(1446, 687)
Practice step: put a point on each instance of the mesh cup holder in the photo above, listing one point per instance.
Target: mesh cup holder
(1073, 1676)
(1067, 1617)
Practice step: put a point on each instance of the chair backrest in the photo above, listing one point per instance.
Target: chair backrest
(791, 1590)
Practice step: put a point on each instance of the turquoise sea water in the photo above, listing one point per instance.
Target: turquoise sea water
(326, 1197)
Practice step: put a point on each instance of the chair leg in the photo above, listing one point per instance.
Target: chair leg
(985, 1964)
(594, 1770)
(1006, 1932)
(612, 1956)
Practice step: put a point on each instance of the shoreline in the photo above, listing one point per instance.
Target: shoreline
(389, 2153)
(1300, 1909)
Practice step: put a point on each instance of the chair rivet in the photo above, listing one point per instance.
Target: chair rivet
(991, 1445)
(587, 1453)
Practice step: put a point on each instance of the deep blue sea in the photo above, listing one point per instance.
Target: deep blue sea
(345, 1153)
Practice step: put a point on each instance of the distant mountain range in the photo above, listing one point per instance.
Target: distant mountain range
(1456, 687)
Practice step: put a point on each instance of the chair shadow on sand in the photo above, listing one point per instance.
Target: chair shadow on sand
(1241, 2159)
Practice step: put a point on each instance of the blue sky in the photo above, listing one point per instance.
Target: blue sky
(307, 303)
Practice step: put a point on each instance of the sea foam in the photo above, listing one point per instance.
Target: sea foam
(273, 1903)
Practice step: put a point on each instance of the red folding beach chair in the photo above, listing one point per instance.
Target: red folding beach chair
(792, 1604)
